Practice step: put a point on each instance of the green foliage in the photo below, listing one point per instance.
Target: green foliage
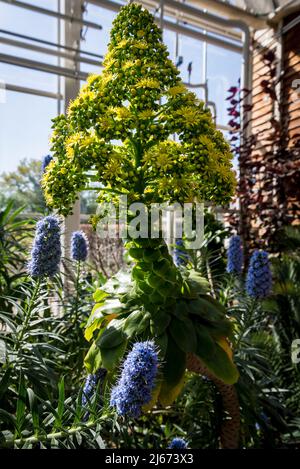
(42, 340)
(178, 318)
(15, 233)
(57, 424)
(283, 309)
(23, 186)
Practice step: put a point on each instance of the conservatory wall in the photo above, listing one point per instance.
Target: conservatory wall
(269, 159)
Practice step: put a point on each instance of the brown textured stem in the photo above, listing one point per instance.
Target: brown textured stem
(230, 429)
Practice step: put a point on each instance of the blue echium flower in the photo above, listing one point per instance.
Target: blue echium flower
(259, 277)
(79, 246)
(137, 380)
(180, 255)
(178, 443)
(235, 256)
(46, 250)
(46, 161)
(90, 385)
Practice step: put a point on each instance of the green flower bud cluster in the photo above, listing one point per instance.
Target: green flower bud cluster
(122, 123)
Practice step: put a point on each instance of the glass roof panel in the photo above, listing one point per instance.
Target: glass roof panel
(261, 7)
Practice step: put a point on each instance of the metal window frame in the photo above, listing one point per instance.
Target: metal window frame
(56, 14)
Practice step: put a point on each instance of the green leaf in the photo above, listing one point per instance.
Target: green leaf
(113, 335)
(162, 267)
(151, 255)
(61, 399)
(167, 289)
(174, 365)
(138, 273)
(92, 359)
(203, 307)
(212, 315)
(2, 351)
(21, 405)
(93, 325)
(118, 284)
(162, 343)
(184, 334)
(5, 382)
(136, 253)
(112, 356)
(99, 314)
(215, 358)
(144, 287)
(181, 310)
(99, 295)
(110, 307)
(197, 283)
(136, 323)
(159, 322)
(33, 404)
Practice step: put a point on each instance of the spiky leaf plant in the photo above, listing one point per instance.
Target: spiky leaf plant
(121, 126)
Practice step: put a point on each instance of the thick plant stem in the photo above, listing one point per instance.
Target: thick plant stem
(65, 433)
(230, 430)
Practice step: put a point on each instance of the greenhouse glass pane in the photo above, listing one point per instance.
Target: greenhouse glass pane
(25, 128)
(33, 24)
(29, 78)
(94, 40)
(223, 71)
(28, 22)
(191, 51)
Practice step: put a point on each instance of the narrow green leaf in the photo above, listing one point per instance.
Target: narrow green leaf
(5, 381)
(21, 405)
(33, 404)
(61, 403)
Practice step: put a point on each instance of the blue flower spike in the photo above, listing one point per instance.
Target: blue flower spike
(259, 277)
(137, 381)
(178, 443)
(46, 250)
(235, 256)
(79, 246)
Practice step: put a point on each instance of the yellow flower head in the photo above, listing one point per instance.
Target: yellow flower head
(146, 114)
(112, 168)
(122, 112)
(128, 64)
(178, 89)
(140, 45)
(148, 83)
(122, 43)
(107, 77)
(189, 114)
(92, 77)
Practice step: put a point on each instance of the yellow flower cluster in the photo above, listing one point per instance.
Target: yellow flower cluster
(148, 83)
(122, 122)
